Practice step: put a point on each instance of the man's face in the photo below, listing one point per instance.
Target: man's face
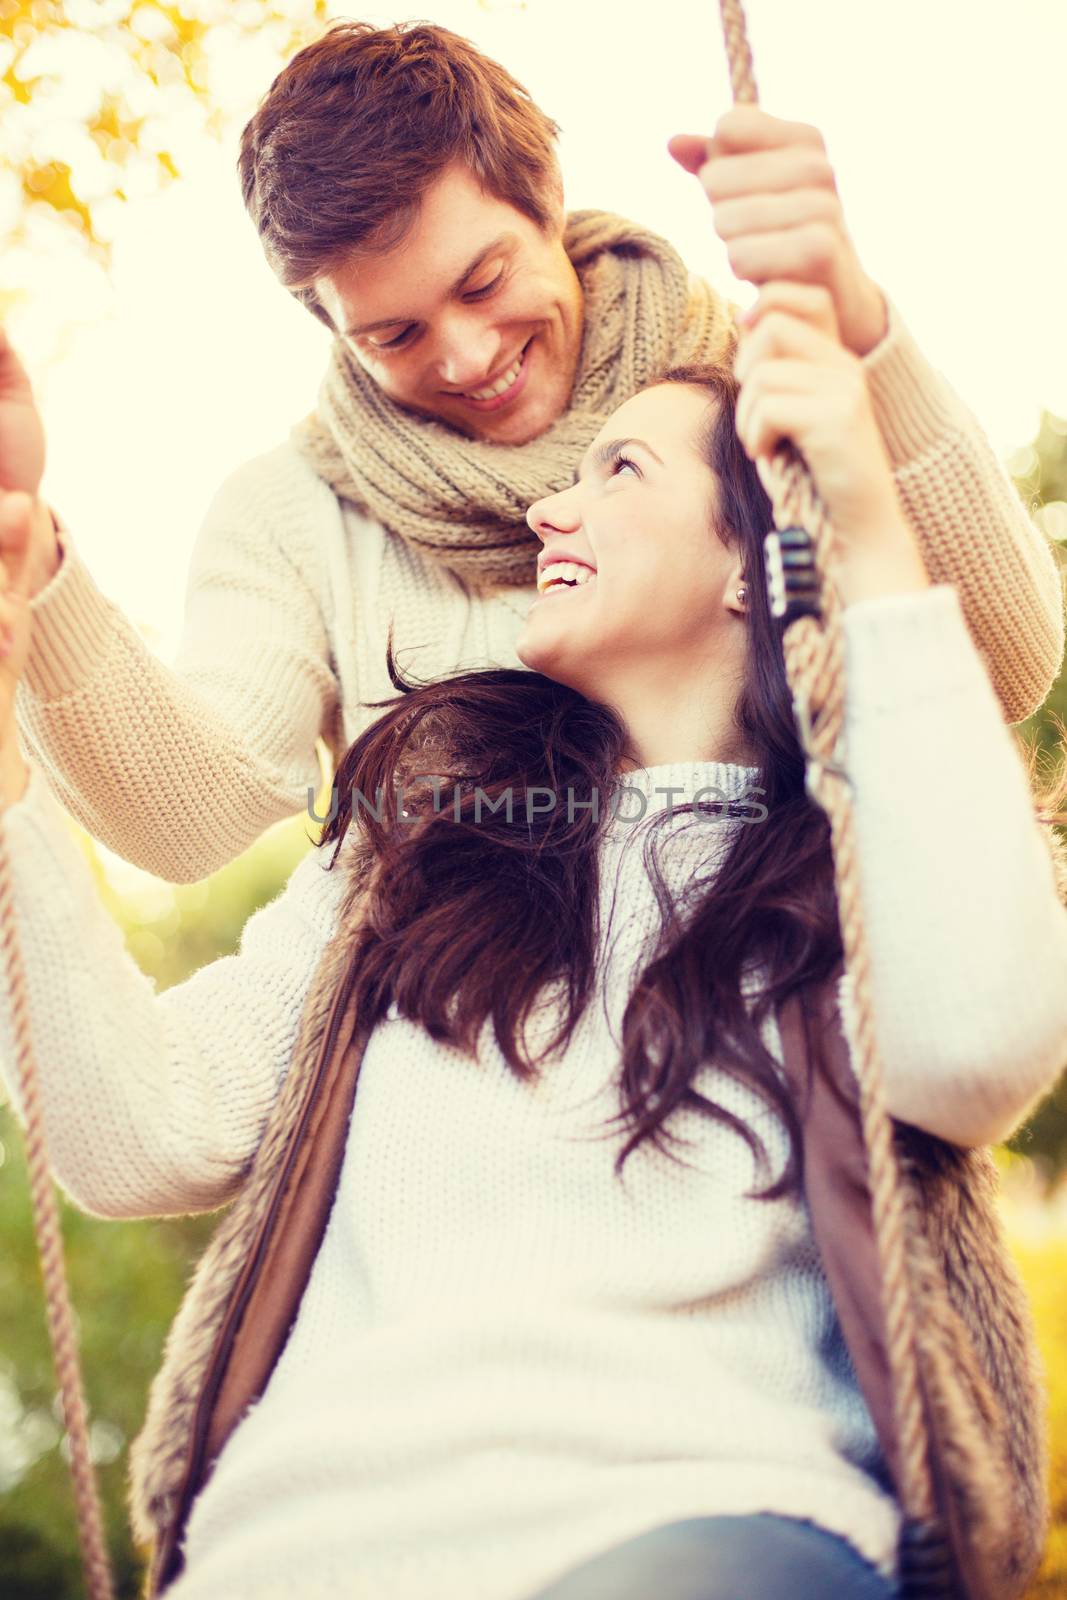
(473, 295)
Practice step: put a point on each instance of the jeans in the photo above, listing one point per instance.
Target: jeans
(756, 1557)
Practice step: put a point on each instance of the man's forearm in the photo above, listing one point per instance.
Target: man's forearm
(180, 769)
(972, 528)
(14, 773)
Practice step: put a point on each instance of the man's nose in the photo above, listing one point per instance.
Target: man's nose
(468, 353)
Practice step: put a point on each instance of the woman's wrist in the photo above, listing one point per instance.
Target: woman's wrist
(884, 564)
(883, 575)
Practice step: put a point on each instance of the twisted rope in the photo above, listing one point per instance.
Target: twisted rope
(813, 648)
(61, 1332)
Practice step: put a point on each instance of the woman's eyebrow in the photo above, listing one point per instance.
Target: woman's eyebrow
(605, 453)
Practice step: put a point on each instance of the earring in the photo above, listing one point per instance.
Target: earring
(741, 594)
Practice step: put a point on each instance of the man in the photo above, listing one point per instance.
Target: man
(407, 190)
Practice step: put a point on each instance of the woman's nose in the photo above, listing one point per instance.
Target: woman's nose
(555, 513)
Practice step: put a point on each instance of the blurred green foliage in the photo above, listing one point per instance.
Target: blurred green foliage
(1039, 470)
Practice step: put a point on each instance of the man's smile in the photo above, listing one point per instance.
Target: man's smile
(504, 390)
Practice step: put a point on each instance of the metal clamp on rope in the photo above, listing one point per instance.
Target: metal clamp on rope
(793, 590)
(792, 577)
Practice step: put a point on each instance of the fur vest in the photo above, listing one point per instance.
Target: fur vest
(981, 1374)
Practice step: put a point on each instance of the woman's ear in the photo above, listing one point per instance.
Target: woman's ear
(736, 597)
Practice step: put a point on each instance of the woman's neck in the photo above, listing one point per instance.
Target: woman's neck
(667, 744)
(675, 709)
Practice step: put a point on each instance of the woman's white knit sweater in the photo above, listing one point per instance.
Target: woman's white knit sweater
(506, 1359)
(290, 592)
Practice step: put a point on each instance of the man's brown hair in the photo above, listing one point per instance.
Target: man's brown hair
(358, 125)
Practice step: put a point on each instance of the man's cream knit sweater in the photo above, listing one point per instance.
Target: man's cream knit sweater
(505, 1359)
(290, 592)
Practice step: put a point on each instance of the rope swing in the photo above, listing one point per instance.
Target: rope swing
(799, 559)
(99, 1584)
(799, 556)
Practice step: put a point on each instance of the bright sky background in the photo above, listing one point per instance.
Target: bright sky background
(943, 121)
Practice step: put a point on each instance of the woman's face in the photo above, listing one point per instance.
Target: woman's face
(660, 608)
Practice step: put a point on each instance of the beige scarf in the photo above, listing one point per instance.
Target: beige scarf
(463, 502)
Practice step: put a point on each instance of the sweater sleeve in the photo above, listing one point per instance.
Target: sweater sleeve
(967, 934)
(180, 769)
(153, 1103)
(973, 530)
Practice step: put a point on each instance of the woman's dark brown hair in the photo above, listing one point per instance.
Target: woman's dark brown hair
(359, 124)
(468, 920)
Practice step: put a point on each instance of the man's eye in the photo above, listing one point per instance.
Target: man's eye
(480, 294)
(404, 337)
(391, 344)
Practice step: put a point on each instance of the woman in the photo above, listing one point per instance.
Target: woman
(539, 1351)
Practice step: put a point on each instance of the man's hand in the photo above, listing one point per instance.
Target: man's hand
(21, 466)
(775, 204)
(21, 429)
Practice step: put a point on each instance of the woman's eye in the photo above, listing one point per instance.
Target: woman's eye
(624, 461)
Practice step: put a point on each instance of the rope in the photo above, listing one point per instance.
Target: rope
(814, 664)
(98, 1580)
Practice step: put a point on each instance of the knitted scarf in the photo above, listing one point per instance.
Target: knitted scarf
(462, 502)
